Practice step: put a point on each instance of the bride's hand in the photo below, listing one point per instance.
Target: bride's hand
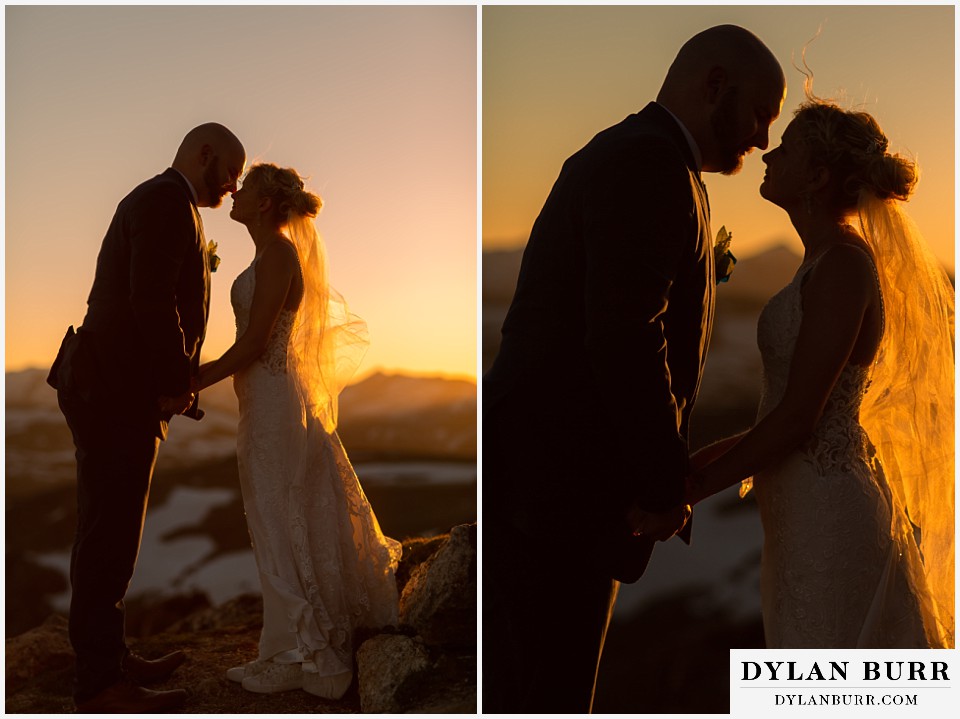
(197, 382)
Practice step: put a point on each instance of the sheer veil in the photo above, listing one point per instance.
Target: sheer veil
(328, 342)
(908, 411)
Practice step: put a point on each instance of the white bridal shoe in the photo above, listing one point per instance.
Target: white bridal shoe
(236, 674)
(331, 687)
(274, 677)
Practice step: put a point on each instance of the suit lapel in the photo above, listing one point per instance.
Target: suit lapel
(702, 255)
(710, 280)
(205, 261)
(204, 252)
(203, 257)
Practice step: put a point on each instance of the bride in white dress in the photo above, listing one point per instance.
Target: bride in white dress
(852, 452)
(325, 567)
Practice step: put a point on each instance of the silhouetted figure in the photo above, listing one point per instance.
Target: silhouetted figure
(325, 567)
(854, 441)
(586, 407)
(120, 378)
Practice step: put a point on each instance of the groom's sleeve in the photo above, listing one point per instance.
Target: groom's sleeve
(638, 212)
(161, 232)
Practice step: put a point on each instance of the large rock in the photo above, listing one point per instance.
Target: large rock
(389, 666)
(440, 599)
(38, 651)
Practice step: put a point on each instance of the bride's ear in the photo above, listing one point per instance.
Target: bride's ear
(819, 178)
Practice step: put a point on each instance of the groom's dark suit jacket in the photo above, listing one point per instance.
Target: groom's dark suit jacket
(147, 311)
(587, 405)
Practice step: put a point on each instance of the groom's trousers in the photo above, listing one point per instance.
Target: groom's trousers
(115, 460)
(545, 618)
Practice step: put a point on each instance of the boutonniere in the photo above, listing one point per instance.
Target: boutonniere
(723, 258)
(212, 255)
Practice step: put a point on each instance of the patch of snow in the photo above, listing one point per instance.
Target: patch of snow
(408, 473)
(167, 567)
(723, 556)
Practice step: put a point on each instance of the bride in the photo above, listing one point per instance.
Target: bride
(325, 567)
(852, 453)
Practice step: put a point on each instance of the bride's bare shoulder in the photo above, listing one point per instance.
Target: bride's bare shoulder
(279, 254)
(845, 271)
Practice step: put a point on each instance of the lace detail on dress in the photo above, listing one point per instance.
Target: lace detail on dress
(838, 442)
(325, 567)
(832, 574)
(274, 357)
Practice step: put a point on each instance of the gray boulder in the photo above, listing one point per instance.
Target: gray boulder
(388, 667)
(440, 599)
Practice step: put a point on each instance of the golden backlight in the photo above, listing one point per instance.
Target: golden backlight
(376, 105)
(554, 77)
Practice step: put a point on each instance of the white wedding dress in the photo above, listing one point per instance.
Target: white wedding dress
(832, 574)
(325, 567)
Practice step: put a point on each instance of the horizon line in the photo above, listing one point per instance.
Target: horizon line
(359, 377)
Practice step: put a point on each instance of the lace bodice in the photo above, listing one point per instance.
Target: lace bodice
(274, 357)
(831, 573)
(325, 567)
(838, 437)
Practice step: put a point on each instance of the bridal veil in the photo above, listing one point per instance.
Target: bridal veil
(908, 412)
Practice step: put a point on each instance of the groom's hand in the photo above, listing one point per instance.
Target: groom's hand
(176, 405)
(658, 526)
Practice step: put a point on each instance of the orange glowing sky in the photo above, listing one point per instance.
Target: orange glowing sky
(555, 76)
(377, 105)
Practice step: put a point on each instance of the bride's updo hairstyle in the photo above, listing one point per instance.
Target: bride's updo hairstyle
(908, 412)
(328, 341)
(285, 184)
(853, 147)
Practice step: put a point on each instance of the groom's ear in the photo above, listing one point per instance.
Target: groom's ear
(206, 154)
(716, 82)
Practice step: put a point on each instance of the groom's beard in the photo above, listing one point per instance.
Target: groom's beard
(724, 124)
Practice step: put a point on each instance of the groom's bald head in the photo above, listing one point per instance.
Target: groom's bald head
(212, 158)
(727, 88)
(737, 50)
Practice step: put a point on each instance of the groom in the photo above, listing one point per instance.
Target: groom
(120, 378)
(587, 405)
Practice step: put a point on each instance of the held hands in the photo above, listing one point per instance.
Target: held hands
(177, 405)
(658, 526)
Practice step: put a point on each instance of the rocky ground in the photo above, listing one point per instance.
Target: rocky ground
(39, 663)
(45, 521)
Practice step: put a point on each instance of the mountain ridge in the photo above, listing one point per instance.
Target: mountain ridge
(384, 417)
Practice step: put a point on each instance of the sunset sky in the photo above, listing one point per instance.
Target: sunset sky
(377, 105)
(555, 76)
